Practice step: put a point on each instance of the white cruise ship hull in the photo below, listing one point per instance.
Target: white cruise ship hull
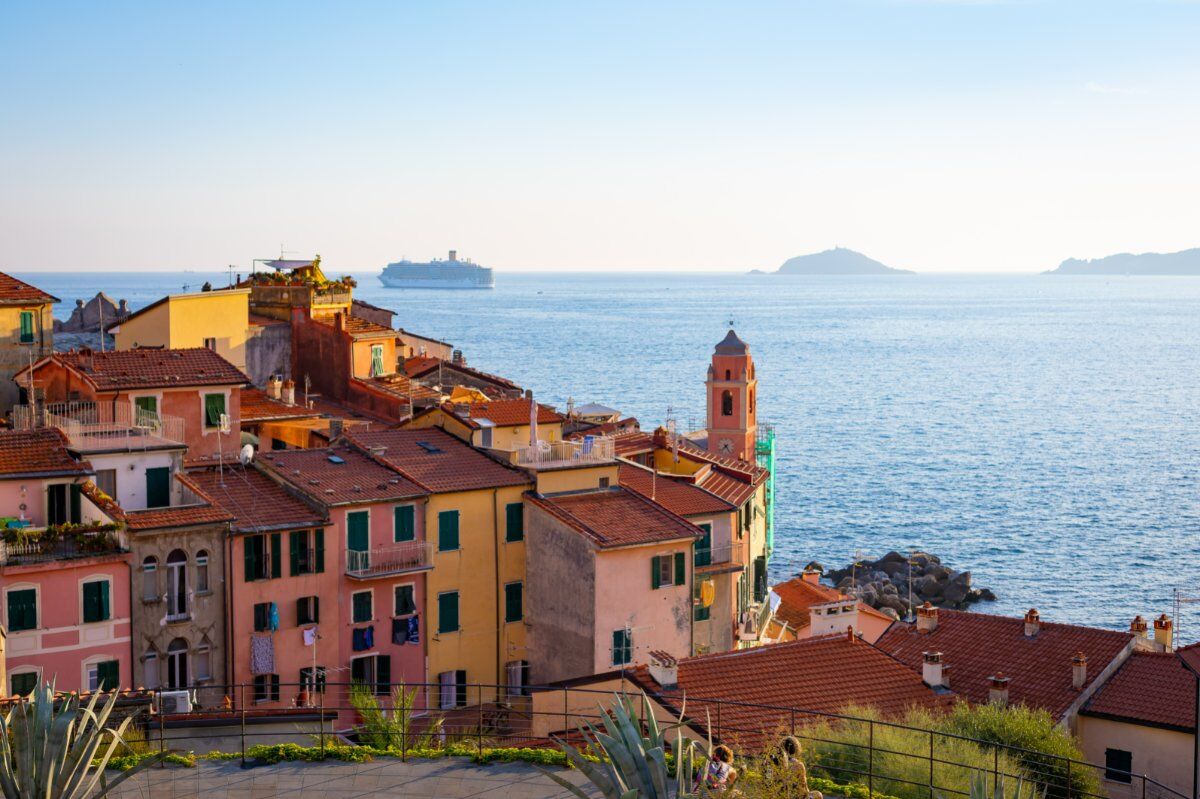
(393, 282)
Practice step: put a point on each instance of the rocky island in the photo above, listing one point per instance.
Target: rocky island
(838, 261)
(884, 584)
(1184, 262)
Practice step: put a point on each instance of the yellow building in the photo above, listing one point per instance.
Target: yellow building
(218, 320)
(502, 424)
(26, 333)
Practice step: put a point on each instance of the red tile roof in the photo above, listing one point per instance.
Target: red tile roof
(746, 470)
(503, 413)
(147, 368)
(819, 675)
(443, 464)
(419, 365)
(424, 366)
(729, 487)
(179, 516)
(357, 479)
(1151, 688)
(38, 453)
(632, 443)
(976, 646)
(18, 292)
(798, 595)
(357, 327)
(617, 517)
(259, 406)
(255, 501)
(676, 495)
(403, 387)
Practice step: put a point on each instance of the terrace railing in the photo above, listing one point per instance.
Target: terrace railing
(396, 559)
(592, 449)
(103, 426)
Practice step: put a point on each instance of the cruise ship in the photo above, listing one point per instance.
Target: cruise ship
(448, 274)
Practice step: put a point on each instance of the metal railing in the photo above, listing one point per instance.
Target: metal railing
(35, 546)
(720, 555)
(395, 559)
(103, 427)
(592, 449)
(888, 757)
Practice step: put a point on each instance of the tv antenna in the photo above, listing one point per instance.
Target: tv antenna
(1180, 599)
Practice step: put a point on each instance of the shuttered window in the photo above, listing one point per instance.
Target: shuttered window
(24, 683)
(22, 610)
(276, 555)
(361, 606)
(96, 602)
(448, 612)
(514, 516)
(513, 605)
(308, 610)
(255, 552)
(108, 674)
(214, 406)
(319, 550)
(622, 647)
(405, 602)
(404, 523)
(668, 570)
(447, 530)
(262, 617)
(704, 546)
(300, 553)
(26, 327)
(376, 360)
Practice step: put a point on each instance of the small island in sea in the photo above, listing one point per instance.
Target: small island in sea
(1185, 262)
(838, 261)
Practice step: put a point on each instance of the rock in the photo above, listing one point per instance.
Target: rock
(892, 557)
(890, 581)
(812, 564)
(890, 590)
(89, 317)
(891, 568)
(954, 594)
(987, 595)
(891, 613)
(893, 602)
(961, 578)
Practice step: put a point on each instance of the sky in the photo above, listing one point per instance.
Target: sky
(935, 135)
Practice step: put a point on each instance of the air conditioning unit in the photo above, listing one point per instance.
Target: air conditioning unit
(175, 702)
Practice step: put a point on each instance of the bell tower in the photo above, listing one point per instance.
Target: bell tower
(731, 391)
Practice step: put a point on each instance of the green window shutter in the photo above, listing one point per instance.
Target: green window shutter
(620, 647)
(95, 602)
(262, 616)
(316, 609)
(158, 487)
(361, 607)
(319, 568)
(26, 327)
(76, 493)
(654, 572)
(404, 523)
(513, 606)
(248, 559)
(358, 534)
(447, 530)
(23, 684)
(703, 555)
(448, 612)
(147, 405)
(680, 569)
(376, 360)
(405, 603)
(302, 610)
(383, 674)
(109, 673)
(276, 555)
(294, 552)
(22, 610)
(254, 550)
(214, 406)
(515, 518)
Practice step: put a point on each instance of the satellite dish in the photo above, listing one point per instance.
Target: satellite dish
(247, 454)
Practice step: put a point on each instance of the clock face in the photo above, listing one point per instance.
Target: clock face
(725, 446)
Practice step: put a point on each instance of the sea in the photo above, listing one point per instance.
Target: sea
(1042, 432)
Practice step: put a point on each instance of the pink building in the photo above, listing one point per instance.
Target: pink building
(65, 592)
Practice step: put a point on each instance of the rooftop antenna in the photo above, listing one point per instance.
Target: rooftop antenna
(1181, 599)
(101, 326)
(673, 434)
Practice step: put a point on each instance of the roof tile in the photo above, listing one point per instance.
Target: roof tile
(149, 368)
(1150, 688)
(37, 452)
(437, 460)
(797, 596)
(255, 501)
(617, 517)
(18, 292)
(340, 475)
(676, 495)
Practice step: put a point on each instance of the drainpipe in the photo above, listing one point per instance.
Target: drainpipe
(226, 571)
(496, 594)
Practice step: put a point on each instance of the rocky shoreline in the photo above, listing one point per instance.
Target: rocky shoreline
(884, 584)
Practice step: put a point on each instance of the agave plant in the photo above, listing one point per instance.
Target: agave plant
(632, 765)
(49, 752)
(980, 790)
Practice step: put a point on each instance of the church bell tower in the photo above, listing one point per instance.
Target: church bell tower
(731, 389)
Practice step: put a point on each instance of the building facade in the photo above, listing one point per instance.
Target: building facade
(26, 333)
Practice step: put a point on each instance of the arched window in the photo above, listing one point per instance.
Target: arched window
(727, 403)
(727, 374)
(751, 400)
(177, 585)
(177, 664)
(202, 571)
(150, 578)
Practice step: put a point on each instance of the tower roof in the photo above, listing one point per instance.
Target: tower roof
(732, 345)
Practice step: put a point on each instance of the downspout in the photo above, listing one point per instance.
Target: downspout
(496, 593)
(226, 570)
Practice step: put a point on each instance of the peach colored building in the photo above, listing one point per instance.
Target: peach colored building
(807, 609)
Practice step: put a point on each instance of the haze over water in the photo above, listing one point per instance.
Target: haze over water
(1043, 432)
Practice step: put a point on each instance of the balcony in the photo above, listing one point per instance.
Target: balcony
(103, 427)
(724, 557)
(396, 559)
(591, 450)
(44, 544)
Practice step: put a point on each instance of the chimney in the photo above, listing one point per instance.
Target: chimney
(832, 617)
(927, 619)
(1137, 627)
(339, 321)
(456, 357)
(289, 391)
(1033, 623)
(1079, 671)
(335, 429)
(998, 690)
(1162, 633)
(529, 393)
(811, 575)
(931, 669)
(664, 669)
(273, 385)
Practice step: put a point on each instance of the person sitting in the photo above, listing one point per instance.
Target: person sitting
(789, 763)
(719, 774)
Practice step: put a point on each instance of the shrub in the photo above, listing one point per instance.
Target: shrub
(395, 728)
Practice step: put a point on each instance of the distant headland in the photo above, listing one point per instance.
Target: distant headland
(1185, 262)
(838, 261)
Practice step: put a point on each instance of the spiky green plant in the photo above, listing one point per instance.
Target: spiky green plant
(632, 765)
(396, 728)
(979, 788)
(49, 752)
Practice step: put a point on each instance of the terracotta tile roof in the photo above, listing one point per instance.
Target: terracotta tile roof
(259, 406)
(819, 675)
(1190, 655)
(357, 479)
(798, 595)
(424, 366)
(728, 487)
(745, 470)
(103, 501)
(334, 410)
(147, 368)
(179, 516)
(631, 443)
(502, 413)
(676, 495)
(402, 387)
(255, 501)
(976, 646)
(443, 464)
(420, 364)
(18, 292)
(1152, 688)
(357, 327)
(42, 452)
(617, 517)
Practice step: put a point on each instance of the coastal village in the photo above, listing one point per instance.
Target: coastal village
(254, 497)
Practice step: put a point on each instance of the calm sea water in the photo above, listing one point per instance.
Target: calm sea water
(1043, 432)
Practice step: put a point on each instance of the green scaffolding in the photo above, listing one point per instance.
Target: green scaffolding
(764, 450)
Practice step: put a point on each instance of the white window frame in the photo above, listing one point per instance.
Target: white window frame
(205, 430)
(94, 662)
(353, 594)
(202, 562)
(416, 607)
(157, 596)
(37, 625)
(94, 578)
(206, 651)
(18, 671)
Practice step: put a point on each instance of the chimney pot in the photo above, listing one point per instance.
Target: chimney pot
(1138, 627)
(273, 387)
(998, 690)
(289, 391)
(1079, 671)
(664, 668)
(1162, 633)
(811, 575)
(1033, 623)
(931, 669)
(927, 618)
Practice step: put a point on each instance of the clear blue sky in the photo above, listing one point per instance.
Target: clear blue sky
(940, 136)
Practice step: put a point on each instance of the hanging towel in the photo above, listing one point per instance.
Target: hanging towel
(262, 654)
(274, 617)
(414, 630)
(362, 639)
(370, 636)
(310, 636)
(399, 631)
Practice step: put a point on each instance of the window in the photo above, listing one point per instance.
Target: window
(485, 438)
(210, 344)
(405, 600)
(358, 540)
(668, 570)
(376, 360)
(202, 661)
(266, 688)
(106, 481)
(727, 403)
(404, 523)
(150, 667)
(150, 579)
(104, 676)
(513, 610)
(1118, 765)
(373, 670)
(447, 530)
(261, 564)
(62, 503)
(26, 327)
(453, 689)
(214, 408)
(361, 606)
(622, 647)
(312, 679)
(278, 444)
(448, 612)
(158, 487)
(700, 611)
(202, 572)
(146, 409)
(514, 517)
(516, 677)
(177, 604)
(302, 554)
(604, 482)
(703, 552)
(22, 610)
(264, 619)
(177, 664)
(308, 610)
(760, 578)
(96, 605)
(23, 683)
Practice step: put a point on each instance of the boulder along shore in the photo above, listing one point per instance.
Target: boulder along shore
(884, 584)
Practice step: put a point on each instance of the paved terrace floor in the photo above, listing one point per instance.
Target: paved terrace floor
(386, 777)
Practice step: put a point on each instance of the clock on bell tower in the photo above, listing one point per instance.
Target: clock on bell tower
(731, 388)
